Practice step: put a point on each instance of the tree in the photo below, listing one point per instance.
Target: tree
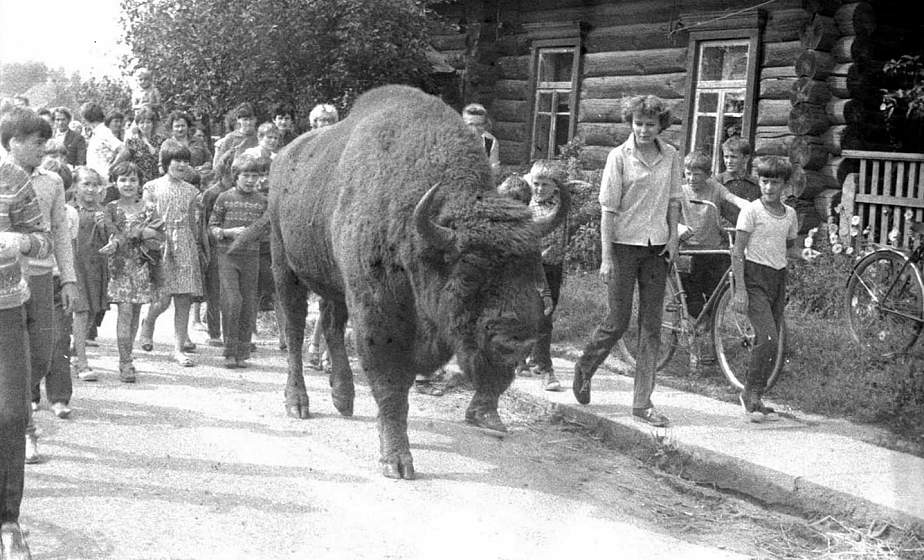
(903, 102)
(17, 77)
(210, 55)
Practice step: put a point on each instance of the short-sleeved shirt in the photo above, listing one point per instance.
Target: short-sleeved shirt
(102, 149)
(639, 194)
(702, 218)
(769, 234)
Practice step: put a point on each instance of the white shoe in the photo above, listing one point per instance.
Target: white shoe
(35, 406)
(32, 452)
(61, 410)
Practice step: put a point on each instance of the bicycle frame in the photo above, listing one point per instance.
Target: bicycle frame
(912, 263)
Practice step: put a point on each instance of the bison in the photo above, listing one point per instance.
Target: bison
(391, 215)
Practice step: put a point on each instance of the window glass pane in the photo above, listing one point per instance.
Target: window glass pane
(555, 65)
(708, 102)
(731, 126)
(734, 102)
(561, 131)
(541, 137)
(563, 102)
(544, 101)
(705, 133)
(723, 62)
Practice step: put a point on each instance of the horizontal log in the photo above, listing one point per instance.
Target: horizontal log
(807, 184)
(767, 73)
(808, 118)
(820, 34)
(600, 134)
(641, 62)
(772, 140)
(814, 64)
(855, 18)
(786, 24)
(776, 88)
(842, 137)
(634, 37)
(610, 110)
(851, 48)
(507, 131)
(513, 67)
(807, 90)
(837, 168)
(511, 89)
(846, 80)
(594, 157)
(809, 152)
(665, 86)
(781, 54)
(449, 41)
(773, 112)
(509, 110)
(844, 111)
(513, 45)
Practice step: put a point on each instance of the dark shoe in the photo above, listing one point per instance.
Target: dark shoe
(127, 373)
(428, 388)
(189, 346)
(230, 362)
(90, 343)
(216, 342)
(242, 363)
(253, 346)
(13, 543)
(580, 385)
(651, 417)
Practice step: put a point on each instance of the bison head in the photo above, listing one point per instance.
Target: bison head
(492, 275)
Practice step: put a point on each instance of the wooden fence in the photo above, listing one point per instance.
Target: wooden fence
(887, 193)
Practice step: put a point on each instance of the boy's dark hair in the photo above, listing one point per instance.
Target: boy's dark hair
(283, 109)
(92, 112)
(774, 167)
(698, 159)
(517, 188)
(64, 111)
(122, 169)
(245, 162)
(115, 115)
(244, 111)
(171, 150)
(43, 111)
(19, 122)
(737, 144)
(175, 116)
(649, 106)
(63, 171)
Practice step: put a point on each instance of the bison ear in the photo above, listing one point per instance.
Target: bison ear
(434, 235)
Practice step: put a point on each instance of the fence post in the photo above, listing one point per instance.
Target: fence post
(848, 193)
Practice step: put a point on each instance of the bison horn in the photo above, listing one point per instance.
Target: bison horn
(438, 236)
(547, 224)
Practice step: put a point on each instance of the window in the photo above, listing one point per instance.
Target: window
(720, 94)
(722, 86)
(555, 69)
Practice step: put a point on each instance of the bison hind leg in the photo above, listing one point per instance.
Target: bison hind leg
(333, 323)
(293, 296)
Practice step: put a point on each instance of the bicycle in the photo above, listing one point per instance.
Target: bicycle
(884, 299)
(731, 333)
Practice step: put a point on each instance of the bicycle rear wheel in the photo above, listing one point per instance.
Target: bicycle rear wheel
(733, 336)
(885, 303)
(670, 326)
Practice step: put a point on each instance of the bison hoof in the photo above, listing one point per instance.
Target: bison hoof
(343, 399)
(399, 466)
(486, 420)
(297, 404)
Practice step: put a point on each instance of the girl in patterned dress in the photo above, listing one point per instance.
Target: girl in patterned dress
(143, 146)
(174, 199)
(129, 222)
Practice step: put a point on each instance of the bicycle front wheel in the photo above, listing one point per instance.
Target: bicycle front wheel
(670, 326)
(885, 303)
(733, 336)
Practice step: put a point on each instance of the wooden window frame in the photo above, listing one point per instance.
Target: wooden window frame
(540, 45)
(753, 37)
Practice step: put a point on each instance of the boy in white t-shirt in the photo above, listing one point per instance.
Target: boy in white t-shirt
(766, 229)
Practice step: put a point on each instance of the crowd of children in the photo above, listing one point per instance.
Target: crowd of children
(150, 220)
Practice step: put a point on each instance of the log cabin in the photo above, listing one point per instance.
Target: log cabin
(799, 78)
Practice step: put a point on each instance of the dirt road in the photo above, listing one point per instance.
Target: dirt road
(202, 463)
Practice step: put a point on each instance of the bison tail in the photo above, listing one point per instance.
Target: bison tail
(254, 232)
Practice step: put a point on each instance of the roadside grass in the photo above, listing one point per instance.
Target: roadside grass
(826, 372)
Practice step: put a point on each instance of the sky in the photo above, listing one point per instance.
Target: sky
(78, 35)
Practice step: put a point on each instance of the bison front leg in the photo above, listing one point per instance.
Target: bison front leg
(333, 322)
(394, 446)
(490, 383)
(293, 295)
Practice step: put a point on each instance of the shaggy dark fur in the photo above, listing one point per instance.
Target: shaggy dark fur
(342, 202)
